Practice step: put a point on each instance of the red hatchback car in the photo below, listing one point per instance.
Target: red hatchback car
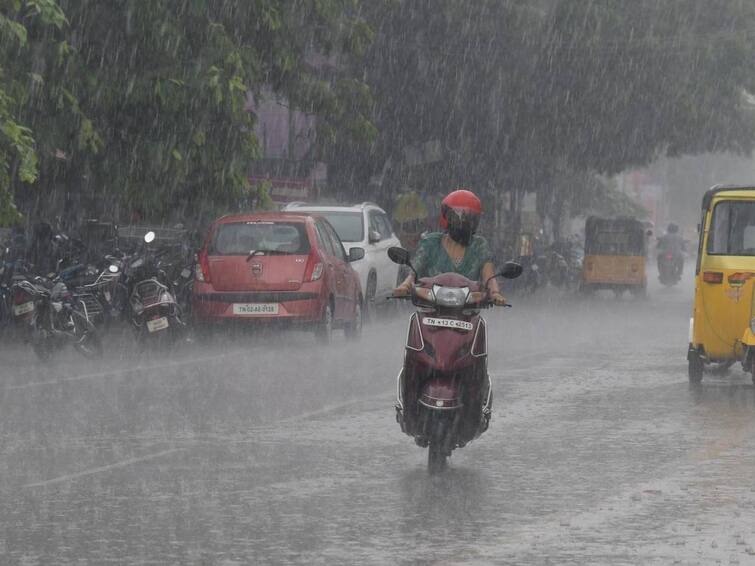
(261, 268)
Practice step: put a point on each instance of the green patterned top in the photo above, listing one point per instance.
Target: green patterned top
(432, 259)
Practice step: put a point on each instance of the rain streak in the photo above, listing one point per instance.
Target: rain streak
(438, 282)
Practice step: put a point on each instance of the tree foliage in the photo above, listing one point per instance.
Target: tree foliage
(521, 93)
(145, 101)
(18, 157)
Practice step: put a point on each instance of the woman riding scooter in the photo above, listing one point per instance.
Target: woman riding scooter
(458, 249)
(444, 393)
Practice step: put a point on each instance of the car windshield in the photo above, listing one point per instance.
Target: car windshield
(348, 225)
(262, 237)
(732, 230)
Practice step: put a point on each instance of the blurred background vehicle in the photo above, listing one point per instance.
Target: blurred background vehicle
(278, 267)
(615, 256)
(366, 226)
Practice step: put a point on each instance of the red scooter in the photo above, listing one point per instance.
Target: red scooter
(444, 392)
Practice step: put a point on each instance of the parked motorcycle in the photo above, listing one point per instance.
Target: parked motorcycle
(154, 313)
(444, 391)
(183, 285)
(55, 317)
(6, 267)
(563, 265)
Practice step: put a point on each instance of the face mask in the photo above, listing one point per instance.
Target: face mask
(460, 234)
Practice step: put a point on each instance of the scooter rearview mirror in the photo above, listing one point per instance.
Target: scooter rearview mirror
(511, 270)
(401, 256)
(398, 255)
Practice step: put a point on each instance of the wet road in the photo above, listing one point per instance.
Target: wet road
(270, 450)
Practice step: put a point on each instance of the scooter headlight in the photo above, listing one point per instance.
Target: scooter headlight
(450, 296)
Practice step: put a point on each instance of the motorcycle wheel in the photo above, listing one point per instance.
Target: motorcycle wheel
(41, 344)
(88, 342)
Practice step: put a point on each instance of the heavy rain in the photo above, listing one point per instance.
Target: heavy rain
(377, 282)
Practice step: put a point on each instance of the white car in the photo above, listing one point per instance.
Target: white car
(365, 226)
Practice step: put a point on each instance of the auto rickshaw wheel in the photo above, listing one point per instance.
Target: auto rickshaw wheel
(640, 292)
(695, 367)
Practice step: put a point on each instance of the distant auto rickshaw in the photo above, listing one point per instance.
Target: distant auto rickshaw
(723, 316)
(615, 254)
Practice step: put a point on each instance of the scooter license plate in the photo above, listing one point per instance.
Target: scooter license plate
(23, 309)
(448, 323)
(157, 324)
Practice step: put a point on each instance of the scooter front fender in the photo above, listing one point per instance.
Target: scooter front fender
(441, 393)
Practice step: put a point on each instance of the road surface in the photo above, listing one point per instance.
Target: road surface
(273, 450)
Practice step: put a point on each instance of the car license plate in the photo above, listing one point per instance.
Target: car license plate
(448, 323)
(157, 324)
(22, 309)
(254, 309)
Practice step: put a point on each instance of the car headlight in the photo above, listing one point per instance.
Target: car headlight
(450, 296)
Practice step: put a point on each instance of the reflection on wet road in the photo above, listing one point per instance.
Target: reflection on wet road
(269, 449)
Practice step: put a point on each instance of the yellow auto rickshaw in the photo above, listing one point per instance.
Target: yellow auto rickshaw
(615, 252)
(721, 328)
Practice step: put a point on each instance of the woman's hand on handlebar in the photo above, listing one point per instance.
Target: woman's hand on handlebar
(498, 299)
(402, 290)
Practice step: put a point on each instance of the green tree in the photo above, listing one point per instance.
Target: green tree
(518, 92)
(18, 156)
(145, 102)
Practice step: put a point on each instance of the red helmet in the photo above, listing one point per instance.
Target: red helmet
(460, 207)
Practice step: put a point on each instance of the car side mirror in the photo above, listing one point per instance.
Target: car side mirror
(356, 253)
(374, 236)
(511, 270)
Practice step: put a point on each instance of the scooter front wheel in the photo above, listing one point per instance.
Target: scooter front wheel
(436, 459)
